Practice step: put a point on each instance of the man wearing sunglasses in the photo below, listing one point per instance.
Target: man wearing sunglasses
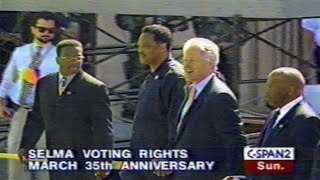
(28, 63)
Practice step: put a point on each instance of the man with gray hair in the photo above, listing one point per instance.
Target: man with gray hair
(28, 63)
(208, 122)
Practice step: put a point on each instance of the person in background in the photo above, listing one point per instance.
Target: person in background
(28, 63)
(312, 47)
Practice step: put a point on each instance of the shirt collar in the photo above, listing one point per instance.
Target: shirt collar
(161, 67)
(45, 46)
(44, 49)
(202, 84)
(69, 77)
(286, 108)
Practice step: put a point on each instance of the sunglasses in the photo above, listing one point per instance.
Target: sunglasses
(43, 29)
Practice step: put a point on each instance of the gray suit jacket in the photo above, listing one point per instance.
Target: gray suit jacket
(210, 131)
(78, 119)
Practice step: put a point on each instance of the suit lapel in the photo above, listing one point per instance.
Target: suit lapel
(261, 135)
(181, 107)
(54, 86)
(52, 89)
(285, 120)
(71, 87)
(259, 141)
(179, 114)
(195, 105)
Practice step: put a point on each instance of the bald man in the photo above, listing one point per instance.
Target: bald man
(292, 124)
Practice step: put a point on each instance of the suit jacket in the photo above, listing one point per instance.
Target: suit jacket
(299, 128)
(210, 131)
(78, 119)
(315, 174)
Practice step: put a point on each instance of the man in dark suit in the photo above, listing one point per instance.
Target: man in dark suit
(208, 122)
(73, 109)
(159, 98)
(292, 124)
(315, 174)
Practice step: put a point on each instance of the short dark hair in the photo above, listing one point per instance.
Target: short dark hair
(161, 33)
(67, 43)
(46, 16)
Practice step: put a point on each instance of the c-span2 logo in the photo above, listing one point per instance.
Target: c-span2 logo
(269, 160)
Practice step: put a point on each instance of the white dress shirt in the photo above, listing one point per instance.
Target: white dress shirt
(11, 85)
(68, 80)
(286, 108)
(202, 84)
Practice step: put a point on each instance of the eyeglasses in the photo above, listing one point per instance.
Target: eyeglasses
(71, 59)
(44, 29)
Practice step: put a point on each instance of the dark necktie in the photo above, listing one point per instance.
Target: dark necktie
(26, 86)
(269, 127)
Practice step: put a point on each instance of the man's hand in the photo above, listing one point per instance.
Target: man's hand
(161, 173)
(101, 175)
(5, 112)
(234, 178)
(23, 156)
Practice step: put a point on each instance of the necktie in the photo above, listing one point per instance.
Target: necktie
(269, 127)
(26, 85)
(62, 85)
(191, 96)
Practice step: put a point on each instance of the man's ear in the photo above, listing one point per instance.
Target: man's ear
(293, 90)
(213, 65)
(58, 60)
(163, 46)
(32, 29)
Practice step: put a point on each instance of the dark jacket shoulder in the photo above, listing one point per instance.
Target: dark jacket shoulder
(304, 115)
(305, 110)
(48, 77)
(174, 73)
(91, 80)
(220, 88)
(175, 68)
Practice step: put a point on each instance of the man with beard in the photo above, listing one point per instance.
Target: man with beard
(28, 63)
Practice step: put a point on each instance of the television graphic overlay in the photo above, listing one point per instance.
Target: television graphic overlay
(269, 160)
